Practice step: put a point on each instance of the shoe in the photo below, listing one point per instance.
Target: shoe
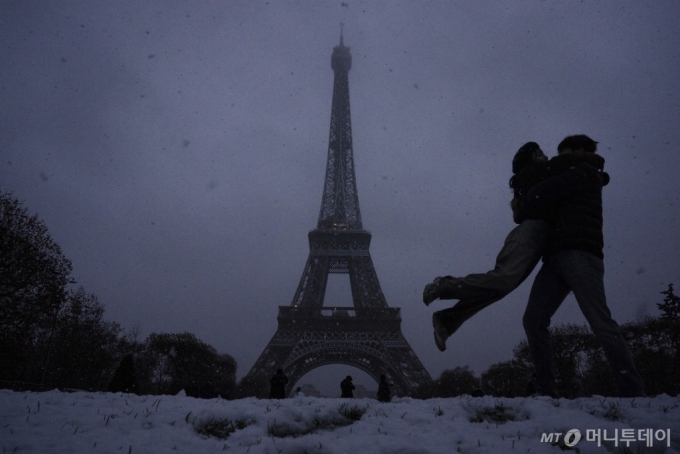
(431, 292)
(440, 333)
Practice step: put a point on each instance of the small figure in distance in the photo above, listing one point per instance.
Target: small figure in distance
(346, 386)
(477, 392)
(278, 385)
(383, 389)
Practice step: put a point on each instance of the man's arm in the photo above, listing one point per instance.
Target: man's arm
(554, 190)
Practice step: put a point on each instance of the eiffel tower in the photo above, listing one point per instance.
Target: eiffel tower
(368, 334)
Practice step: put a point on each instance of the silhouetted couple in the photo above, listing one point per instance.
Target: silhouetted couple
(558, 206)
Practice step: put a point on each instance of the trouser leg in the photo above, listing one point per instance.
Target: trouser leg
(584, 273)
(547, 294)
(454, 317)
(521, 252)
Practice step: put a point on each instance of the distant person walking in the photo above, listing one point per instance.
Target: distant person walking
(346, 386)
(278, 385)
(383, 389)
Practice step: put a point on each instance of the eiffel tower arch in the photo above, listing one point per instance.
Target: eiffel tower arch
(368, 334)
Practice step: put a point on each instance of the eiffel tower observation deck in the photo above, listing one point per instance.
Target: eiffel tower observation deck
(366, 335)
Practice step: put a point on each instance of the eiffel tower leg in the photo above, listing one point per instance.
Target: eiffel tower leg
(410, 369)
(312, 287)
(273, 357)
(366, 290)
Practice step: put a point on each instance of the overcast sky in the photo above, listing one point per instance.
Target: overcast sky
(176, 150)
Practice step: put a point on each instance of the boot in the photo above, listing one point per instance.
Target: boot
(431, 291)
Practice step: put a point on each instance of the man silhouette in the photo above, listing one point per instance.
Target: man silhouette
(572, 262)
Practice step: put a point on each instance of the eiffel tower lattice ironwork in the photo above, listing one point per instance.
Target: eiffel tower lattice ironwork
(368, 334)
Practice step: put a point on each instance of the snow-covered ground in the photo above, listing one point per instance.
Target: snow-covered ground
(83, 422)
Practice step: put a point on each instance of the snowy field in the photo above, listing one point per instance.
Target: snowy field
(83, 422)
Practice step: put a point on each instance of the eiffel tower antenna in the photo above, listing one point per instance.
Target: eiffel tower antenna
(366, 335)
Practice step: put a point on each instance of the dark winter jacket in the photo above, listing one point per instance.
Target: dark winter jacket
(522, 182)
(346, 386)
(278, 389)
(383, 391)
(571, 202)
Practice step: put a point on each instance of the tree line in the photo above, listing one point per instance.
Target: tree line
(54, 336)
